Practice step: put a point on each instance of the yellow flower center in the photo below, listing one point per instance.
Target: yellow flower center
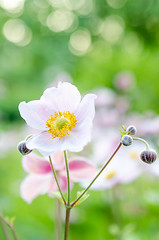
(61, 123)
(134, 155)
(111, 174)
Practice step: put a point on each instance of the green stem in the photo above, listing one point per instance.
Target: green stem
(68, 180)
(54, 173)
(142, 140)
(67, 221)
(74, 202)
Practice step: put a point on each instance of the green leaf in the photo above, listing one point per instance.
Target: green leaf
(124, 127)
(121, 133)
(82, 199)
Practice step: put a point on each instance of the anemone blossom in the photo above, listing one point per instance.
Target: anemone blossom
(63, 120)
(41, 180)
(124, 168)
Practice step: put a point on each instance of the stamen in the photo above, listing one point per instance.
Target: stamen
(61, 123)
(134, 155)
(111, 174)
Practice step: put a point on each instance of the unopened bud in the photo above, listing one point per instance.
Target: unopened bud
(132, 130)
(148, 156)
(126, 140)
(22, 148)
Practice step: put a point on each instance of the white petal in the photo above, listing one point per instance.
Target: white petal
(86, 109)
(44, 144)
(34, 185)
(74, 142)
(79, 137)
(65, 97)
(35, 113)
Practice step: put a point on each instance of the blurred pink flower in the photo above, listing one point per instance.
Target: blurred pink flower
(125, 167)
(64, 121)
(124, 80)
(106, 97)
(40, 179)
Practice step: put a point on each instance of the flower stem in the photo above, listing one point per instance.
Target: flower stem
(85, 191)
(67, 221)
(142, 140)
(54, 173)
(68, 180)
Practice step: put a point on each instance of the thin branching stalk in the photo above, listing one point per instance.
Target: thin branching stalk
(142, 140)
(68, 180)
(54, 173)
(68, 208)
(85, 191)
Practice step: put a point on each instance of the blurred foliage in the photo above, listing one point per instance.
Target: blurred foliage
(124, 36)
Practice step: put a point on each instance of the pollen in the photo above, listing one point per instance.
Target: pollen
(111, 174)
(61, 123)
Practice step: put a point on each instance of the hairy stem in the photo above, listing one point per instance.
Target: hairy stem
(85, 191)
(54, 173)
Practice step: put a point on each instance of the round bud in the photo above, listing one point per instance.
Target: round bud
(131, 129)
(126, 140)
(148, 156)
(22, 148)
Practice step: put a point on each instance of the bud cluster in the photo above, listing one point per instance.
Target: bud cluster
(127, 140)
(149, 155)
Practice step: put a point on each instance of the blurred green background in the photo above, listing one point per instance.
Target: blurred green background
(89, 41)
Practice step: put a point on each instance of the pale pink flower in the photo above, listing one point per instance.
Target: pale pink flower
(106, 97)
(64, 121)
(41, 180)
(124, 168)
(124, 80)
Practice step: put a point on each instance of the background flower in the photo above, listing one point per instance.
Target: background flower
(41, 180)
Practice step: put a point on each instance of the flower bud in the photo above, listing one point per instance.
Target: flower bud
(148, 156)
(131, 129)
(126, 140)
(22, 148)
